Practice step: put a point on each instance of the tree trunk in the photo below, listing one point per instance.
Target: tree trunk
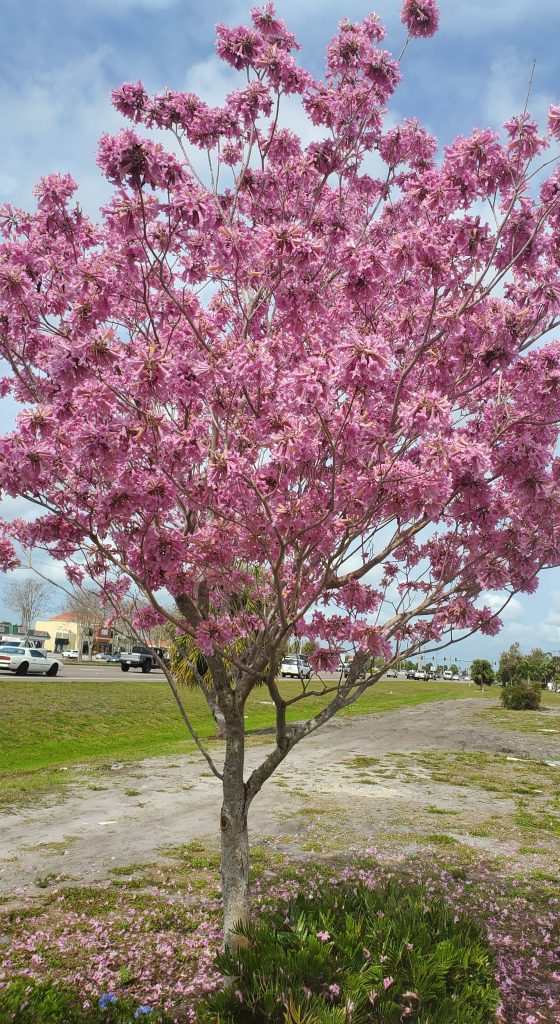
(235, 839)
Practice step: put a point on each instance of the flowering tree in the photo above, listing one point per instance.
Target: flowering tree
(307, 397)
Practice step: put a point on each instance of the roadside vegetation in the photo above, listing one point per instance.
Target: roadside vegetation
(50, 731)
(149, 936)
(477, 830)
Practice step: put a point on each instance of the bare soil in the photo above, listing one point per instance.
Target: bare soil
(356, 781)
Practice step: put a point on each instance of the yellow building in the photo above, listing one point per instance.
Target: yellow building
(67, 634)
(64, 632)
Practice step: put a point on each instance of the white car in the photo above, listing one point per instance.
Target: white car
(22, 660)
(296, 667)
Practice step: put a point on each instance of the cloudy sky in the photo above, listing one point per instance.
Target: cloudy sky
(60, 60)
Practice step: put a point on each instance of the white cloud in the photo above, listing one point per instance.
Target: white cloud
(494, 599)
(52, 121)
(508, 85)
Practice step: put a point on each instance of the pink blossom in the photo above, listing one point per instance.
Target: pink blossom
(421, 17)
(554, 120)
(307, 403)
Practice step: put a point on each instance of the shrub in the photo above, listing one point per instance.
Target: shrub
(24, 1001)
(521, 696)
(358, 954)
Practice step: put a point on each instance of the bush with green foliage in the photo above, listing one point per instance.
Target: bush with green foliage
(358, 954)
(24, 1001)
(521, 696)
(482, 672)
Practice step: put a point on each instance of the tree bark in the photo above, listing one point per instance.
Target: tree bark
(233, 826)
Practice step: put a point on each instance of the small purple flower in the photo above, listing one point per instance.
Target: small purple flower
(106, 999)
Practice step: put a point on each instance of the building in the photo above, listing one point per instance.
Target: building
(63, 631)
(66, 633)
(12, 633)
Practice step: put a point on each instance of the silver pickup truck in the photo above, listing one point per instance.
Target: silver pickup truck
(143, 658)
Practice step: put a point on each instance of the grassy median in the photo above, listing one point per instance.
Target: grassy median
(48, 727)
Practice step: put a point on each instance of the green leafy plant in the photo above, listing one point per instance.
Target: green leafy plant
(354, 953)
(24, 1001)
(521, 696)
(482, 672)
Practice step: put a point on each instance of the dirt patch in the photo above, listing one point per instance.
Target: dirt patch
(398, 775)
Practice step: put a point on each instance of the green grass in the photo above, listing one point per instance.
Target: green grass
(541, 822)
(48, 728)
(546, 721)
(476, 769)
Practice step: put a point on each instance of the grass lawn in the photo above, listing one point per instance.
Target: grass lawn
(49, 725)
(545, 721)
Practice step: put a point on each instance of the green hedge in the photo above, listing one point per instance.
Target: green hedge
(358, 955)
(521, 696)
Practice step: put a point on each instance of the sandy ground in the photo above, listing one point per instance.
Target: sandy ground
(129, 813)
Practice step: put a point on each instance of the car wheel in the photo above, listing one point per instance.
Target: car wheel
(22, 669)
(53, 670)
(125, 668)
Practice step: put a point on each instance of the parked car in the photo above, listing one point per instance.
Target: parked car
(22, 660)
(295, 666)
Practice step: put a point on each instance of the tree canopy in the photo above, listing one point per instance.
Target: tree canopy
(310, 393)
(482, 672)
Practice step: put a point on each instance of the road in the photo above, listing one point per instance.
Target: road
(94, 671)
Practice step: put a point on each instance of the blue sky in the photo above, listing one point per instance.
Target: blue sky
(60, 60)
